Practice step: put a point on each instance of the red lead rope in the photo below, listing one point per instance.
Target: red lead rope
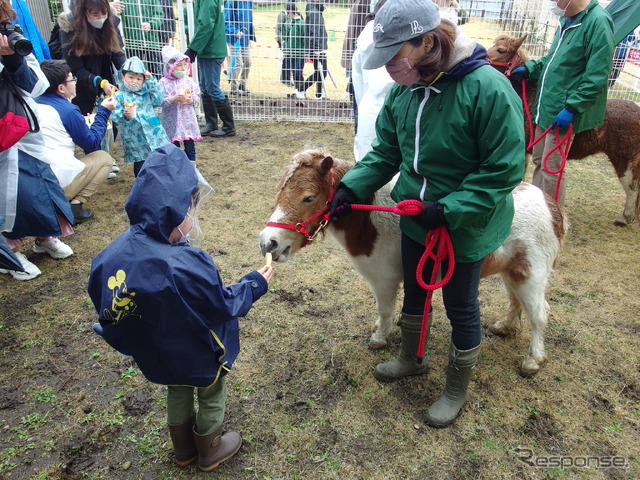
(440, 237)
(559, 143)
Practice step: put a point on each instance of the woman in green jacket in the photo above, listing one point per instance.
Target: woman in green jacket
(572, 82)
(452, 129)
(293, 38)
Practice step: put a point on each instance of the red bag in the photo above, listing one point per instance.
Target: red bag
(16, 117)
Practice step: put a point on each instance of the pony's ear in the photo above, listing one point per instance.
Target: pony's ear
(326, 164)
(520, 41)
(308, 146)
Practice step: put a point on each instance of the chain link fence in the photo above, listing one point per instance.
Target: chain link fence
(271, 99)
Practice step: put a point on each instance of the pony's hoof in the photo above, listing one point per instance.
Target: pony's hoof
(620, 222)
(502, 330)
(376, 343)
(530, 366)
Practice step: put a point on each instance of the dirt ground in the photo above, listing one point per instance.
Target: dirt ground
(302, 394)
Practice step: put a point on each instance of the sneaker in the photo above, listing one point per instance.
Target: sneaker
(299, 95)
(54, 247)
(115, 168)
(112, 175)
(30, 270)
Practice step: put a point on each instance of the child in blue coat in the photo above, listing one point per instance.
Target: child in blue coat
(140, 127)
(163, 302)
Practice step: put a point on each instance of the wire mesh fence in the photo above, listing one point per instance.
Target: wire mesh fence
(147, 25)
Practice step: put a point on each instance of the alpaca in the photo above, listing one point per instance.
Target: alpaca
(618, 138)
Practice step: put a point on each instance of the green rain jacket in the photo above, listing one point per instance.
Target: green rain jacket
(458, 142)
(293, 35)
(133, 15)
(209, 37)
(575, 70)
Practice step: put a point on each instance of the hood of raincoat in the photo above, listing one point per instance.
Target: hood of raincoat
(161, 194)
(135, 65)
(170, 57)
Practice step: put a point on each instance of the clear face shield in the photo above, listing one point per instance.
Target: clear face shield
(192, 233)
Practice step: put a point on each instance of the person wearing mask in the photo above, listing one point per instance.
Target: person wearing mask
(32, 203)
(64, 127)
(452, 129)
(209, 45)
(572, 84)
(93, 49)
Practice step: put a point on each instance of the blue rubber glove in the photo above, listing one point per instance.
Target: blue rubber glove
(563, 119)
(431, 216)
(518, 74)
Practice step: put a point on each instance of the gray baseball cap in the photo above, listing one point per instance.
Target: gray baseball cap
(397, 22)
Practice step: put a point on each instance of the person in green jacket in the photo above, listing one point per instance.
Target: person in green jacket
(142, 21)
(452, 129)
(208, 43)
(572, 83)
(293, 38)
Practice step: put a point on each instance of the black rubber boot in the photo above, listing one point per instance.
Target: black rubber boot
(406, 364)
(225, 112)
(210, 116)
(80, 214)
(445, 410)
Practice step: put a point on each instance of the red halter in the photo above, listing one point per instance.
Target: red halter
(302, 226)
(511, 64)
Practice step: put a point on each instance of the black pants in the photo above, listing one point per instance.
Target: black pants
(319, 74)
(460, 295)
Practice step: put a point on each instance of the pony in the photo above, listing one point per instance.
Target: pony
(618, 138)
(525, 260)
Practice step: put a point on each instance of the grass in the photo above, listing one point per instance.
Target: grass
(302, 394)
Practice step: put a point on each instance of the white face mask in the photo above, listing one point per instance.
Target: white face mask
(70, 97)
(556, 10)
(179, 73)
(97, 23)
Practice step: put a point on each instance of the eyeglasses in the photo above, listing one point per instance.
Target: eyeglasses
(74, 79)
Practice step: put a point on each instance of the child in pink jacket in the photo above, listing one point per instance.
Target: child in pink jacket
(181, 96)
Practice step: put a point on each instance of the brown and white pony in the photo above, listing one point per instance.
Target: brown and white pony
(372, 240)
(618, 138)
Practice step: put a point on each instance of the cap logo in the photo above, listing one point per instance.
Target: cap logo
(416, 27)
(378, 28)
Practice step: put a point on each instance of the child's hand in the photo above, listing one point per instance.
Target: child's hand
(188, 100)
(146, 26)
(109, 103)
(177, 98)
(267, 273)
(127, 114)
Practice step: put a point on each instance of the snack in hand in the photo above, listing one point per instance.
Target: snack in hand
(268, 257)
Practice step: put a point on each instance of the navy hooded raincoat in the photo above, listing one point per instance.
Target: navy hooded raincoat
(165, 304)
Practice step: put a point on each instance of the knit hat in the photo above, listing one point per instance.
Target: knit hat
(399, 21)
(170, 57)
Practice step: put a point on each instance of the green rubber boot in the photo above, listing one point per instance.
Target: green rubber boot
(447, 407)
(406, 364)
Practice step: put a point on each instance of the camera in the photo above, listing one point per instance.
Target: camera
(17, 41)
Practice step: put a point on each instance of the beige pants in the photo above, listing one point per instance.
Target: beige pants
(97, 168)
(548, 182)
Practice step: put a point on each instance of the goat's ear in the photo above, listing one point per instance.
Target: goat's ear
(326, 164)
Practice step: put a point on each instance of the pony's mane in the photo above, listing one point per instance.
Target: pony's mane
(302, 158)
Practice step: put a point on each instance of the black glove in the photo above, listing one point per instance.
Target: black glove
(519, 74)
(431, 216)
(341, 203)
(191, 54)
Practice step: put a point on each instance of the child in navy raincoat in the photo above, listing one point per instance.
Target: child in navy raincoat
(163, 302)
(140, 126)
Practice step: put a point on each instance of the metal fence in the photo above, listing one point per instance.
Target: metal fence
(271, 99)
